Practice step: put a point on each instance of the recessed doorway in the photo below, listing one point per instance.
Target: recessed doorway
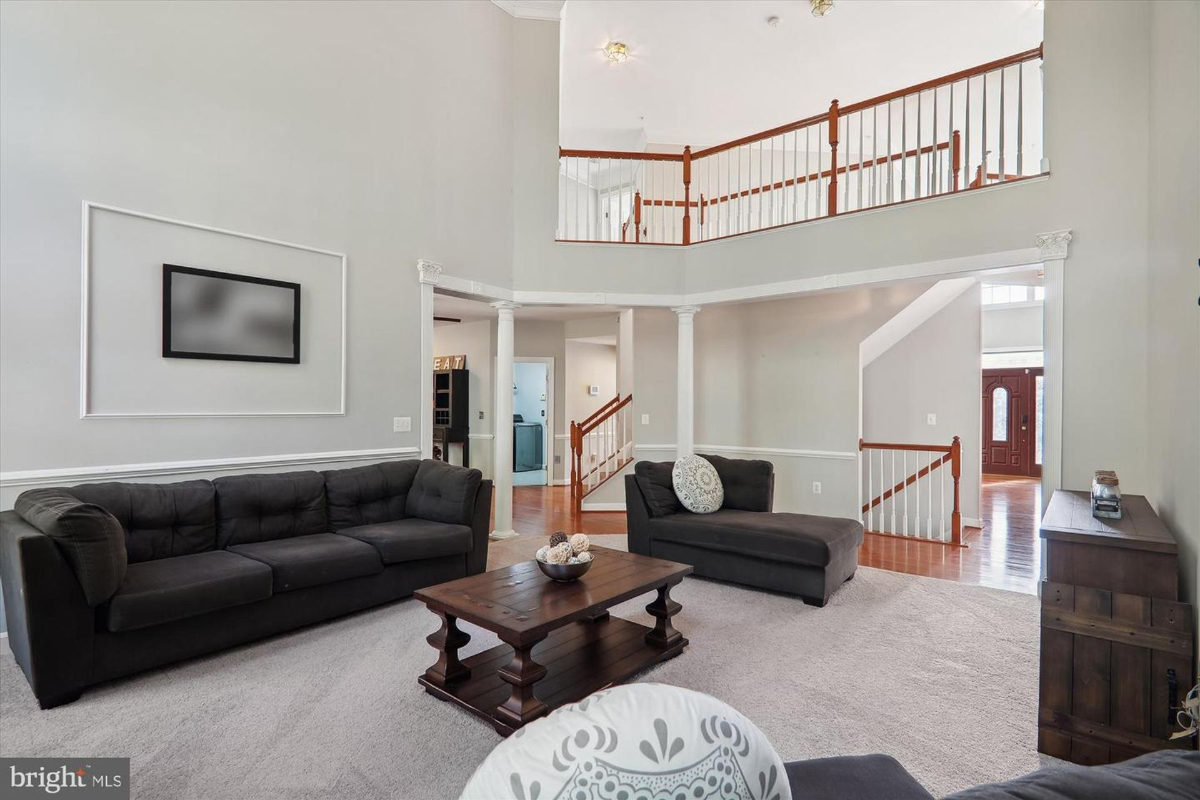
(533, 423)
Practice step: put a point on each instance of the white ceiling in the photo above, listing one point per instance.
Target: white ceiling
(466, 310)
(705, 72)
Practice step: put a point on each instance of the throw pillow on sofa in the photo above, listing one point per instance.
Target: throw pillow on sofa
(654, 478)
(697, 485)
(633, 741)
(91, 539)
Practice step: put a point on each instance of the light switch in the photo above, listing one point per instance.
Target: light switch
(931, 419)
(645, 419)
(401, 424)
(816, 487)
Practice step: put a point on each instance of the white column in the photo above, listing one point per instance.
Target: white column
(502, 467)
(685, 383)
(625, 352)
(1054, 247)
(429, 274)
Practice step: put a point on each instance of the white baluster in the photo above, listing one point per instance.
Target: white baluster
(904, 472)
(1002, 82)
(942, 503)
(870, 489)
(917, 487)
(929, 505)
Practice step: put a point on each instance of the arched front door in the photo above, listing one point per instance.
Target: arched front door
(1012, 403)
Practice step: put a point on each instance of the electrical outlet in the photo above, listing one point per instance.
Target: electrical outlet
(481, 415)
(401, 424)
(816, 487)
(645, 419)
(557, 460)
(931, 419)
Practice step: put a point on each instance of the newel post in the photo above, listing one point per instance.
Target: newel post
(833, 163)
(956, 473)
(637, 216)
(956, 154)
(687, 188)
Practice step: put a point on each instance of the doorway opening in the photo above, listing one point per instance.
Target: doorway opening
(532, 423)
(1013, 397)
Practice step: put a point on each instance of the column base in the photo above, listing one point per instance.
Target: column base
(496, 536)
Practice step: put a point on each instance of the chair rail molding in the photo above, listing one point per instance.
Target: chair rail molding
(85, 411)
(783, 452)
(65, 476)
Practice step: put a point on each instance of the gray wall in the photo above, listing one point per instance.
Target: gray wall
(1174, 286)
(1012, 328)
(325, 124)
(933, 370)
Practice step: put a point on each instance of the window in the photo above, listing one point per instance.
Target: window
(1000, 414)
(1013, 358)
(998, 294)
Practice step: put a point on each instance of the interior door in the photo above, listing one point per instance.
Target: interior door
(1012, 405)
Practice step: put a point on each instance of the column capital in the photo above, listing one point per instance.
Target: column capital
(503, 306)
(429, 271)
(1054, 244)
(686, 311)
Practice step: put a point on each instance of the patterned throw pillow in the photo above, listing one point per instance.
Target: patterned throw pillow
(642, 740)
(697, 485)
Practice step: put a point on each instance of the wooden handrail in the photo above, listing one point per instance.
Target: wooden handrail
(589, 426)
(953, 77)
(599, 411)
(953, 456)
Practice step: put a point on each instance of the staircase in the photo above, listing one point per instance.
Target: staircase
(601, 446)
(906, 491)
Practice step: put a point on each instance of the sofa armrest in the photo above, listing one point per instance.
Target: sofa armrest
(637, 517)
(50, 624)
(481, 523)
(873, 777)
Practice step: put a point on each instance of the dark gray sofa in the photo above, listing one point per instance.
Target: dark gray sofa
(1162, 775)
(104, 580)
(744, 542)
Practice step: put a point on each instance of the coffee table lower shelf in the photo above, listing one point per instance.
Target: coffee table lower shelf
(580, 658)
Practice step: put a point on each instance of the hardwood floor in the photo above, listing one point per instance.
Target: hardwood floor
(1005, 554)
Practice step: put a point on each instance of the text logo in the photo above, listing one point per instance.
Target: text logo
(90, 778)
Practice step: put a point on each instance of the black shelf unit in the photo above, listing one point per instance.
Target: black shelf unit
(451, 421)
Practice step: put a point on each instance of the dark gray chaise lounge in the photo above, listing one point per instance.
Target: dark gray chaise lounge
(744, 542)
(104, 580)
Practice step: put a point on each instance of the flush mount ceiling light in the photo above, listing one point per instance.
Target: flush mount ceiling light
(616, 51)
(821, 7)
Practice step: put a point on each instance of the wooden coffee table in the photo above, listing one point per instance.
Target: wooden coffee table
(558, 637)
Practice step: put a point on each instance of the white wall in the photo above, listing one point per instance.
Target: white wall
(589, 364)
(373, 129)
(1173, 354)
(777, 380)
(1016, 327)
(933, 370)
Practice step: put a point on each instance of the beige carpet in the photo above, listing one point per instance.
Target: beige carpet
(940, 675)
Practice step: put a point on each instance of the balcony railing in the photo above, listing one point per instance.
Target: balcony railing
(974, 128)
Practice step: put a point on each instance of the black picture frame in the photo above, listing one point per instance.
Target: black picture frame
(170, 352)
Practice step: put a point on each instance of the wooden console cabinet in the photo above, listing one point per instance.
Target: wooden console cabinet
(1117, 650)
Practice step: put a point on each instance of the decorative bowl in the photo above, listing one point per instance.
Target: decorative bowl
(564, 573)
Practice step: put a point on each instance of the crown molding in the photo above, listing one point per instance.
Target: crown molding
(532, 9)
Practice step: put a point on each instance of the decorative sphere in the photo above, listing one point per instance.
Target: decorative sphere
(557, 538)
(580, 543)
(542, 553)
(584, 557)
(559, 554)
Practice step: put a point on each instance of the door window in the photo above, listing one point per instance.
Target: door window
(1039, 400)
(1000, 414)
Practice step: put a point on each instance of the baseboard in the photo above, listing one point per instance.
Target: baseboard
(972, 522)
(603, 506)
(562, 481)
(178, 470)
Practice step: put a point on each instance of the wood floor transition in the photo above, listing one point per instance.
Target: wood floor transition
(1004, 554)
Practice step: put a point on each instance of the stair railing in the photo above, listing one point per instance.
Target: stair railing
(601, 446)
(905, 490)
(959, 132)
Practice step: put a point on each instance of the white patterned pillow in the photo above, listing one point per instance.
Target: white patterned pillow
(697, 484)
(642, 740)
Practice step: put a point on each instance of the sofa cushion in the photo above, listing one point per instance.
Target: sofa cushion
(795, 538)
(368, 495)
(161, 520)
(748, 483)
(169, 589)
(262, 508)
(90, 538)
(301, 561)
(413, 539)
(697, 484)
(1161, 775)
(654, 479)
(443, 493)
(873, 777)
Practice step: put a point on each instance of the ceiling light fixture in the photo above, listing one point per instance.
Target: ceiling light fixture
(616, 51)
(821, 7)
